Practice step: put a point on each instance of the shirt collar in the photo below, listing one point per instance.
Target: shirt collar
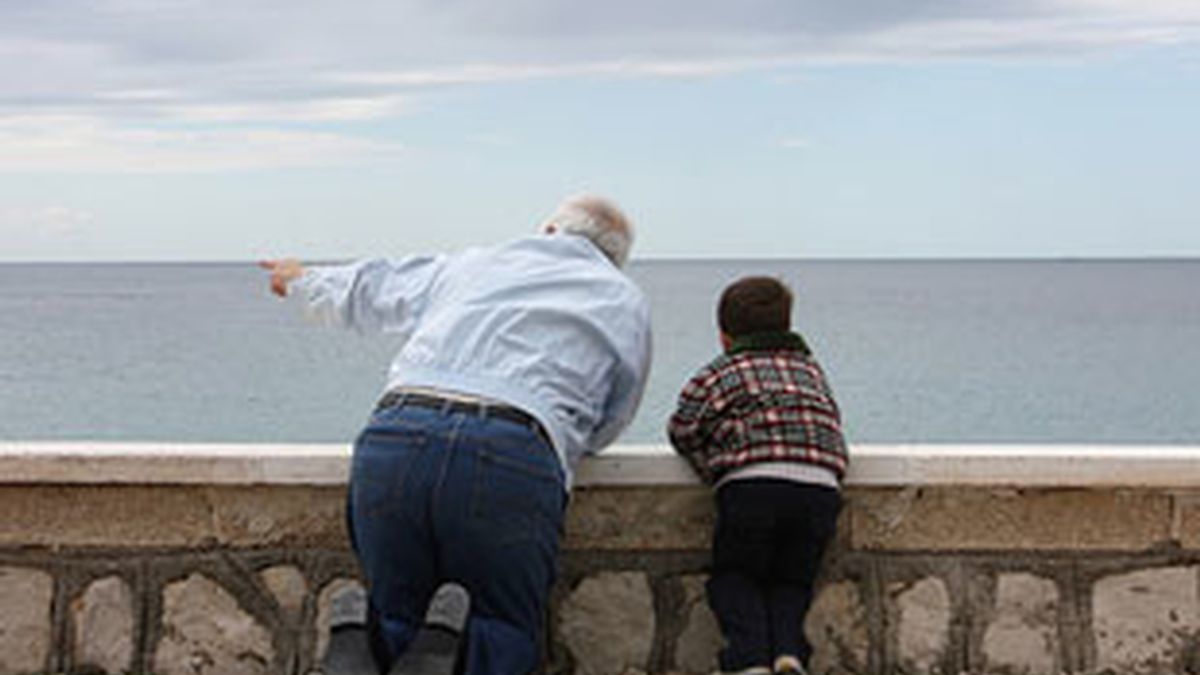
(769, 341)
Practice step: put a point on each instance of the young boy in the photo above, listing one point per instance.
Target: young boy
(760, 424)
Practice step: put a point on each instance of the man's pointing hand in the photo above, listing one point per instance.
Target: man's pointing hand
(283, 272)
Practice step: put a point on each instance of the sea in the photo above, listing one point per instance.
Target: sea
(917, 351)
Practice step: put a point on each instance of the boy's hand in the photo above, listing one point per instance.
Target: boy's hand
(283, 272)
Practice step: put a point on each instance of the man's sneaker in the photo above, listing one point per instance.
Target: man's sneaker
(349, 652)
(434, 650)
(449, 608)
(789, 665)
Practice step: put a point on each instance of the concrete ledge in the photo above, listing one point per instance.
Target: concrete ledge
(173, 464)
(630, 465)
(992, 560)
(636, 498)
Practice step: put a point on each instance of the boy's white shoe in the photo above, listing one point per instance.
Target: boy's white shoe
(789, 665)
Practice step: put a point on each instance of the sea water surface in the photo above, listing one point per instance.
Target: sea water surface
(917, 351)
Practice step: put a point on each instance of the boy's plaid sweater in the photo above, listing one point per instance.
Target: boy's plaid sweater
(765, 400)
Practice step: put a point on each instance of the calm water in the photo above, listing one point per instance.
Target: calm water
(917, 351)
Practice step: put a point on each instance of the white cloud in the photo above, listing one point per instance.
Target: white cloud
(795, 143)
(73, 143)
(47, 221)
(119, 70)
(319, 61)
(514, 72)
(327, 110)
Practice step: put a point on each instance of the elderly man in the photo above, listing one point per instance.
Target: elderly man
(517, 360)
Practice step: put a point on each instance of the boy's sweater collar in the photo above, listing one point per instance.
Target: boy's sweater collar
(769, 341)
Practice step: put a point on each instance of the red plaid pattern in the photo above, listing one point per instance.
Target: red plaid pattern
(758, 406)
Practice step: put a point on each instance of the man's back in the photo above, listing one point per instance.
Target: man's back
(545, 323)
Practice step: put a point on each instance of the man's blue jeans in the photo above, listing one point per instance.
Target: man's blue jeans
(447, 496)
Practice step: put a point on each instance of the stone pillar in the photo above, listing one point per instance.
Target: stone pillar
(607, 623)
(1147, 621)
(25, 596)
(289, 588)
(920, 614)
(837, 628)
(1022, 636)
(204, 630)
(103, 626)
(697, 647)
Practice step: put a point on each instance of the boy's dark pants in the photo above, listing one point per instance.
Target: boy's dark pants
(767, 549)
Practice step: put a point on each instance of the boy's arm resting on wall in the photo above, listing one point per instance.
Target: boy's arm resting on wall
(689, 427)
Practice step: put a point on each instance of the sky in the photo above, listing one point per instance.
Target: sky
(192, 130)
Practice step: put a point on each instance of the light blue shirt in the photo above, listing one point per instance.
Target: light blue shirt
(546, 323)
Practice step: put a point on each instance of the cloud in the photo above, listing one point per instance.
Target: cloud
(74, 143)
(121, 74)
(51, 221)
(514, 72)
(795, 143)
(318, 61)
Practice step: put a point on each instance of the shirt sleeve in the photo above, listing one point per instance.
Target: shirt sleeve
(371, 296)
(687, 428)
(628, 387)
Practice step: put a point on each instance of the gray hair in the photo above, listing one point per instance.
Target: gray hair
(600, 221)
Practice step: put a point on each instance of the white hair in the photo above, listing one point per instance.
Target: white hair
(600, 221)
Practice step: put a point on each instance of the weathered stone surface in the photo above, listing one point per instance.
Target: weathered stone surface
(1146, 621)
(644, 519)
(25, 596)
(171, 515)
(698, 645)
(205, 631)
(974, 518)
(607, 623)
(921, 616)
(103, 622)
(324, 607)
(281, 515)
(1187, 521)
(289, 587)
(1022, 637)
(837, 628)
(51, 515)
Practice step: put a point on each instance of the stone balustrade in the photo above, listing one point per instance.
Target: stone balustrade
(1005, 560)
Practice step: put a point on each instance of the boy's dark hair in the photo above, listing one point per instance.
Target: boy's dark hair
(755, 305)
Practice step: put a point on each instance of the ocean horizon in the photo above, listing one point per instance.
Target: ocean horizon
(997, 350)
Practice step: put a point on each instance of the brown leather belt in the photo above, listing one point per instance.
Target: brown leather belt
(483, 409)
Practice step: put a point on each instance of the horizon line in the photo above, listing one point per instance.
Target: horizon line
(671, 259)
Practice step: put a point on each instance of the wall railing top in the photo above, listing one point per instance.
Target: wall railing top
(872, 465)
